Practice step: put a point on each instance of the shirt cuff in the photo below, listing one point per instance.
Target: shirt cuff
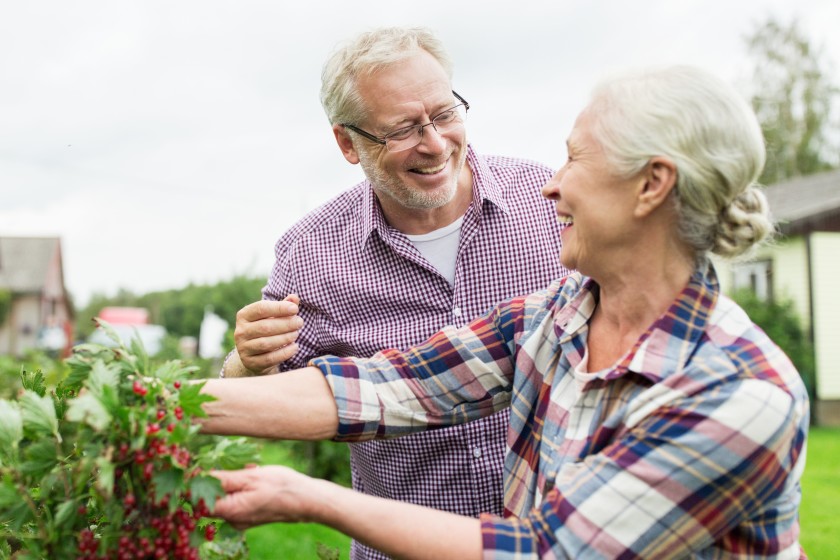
(359, 412)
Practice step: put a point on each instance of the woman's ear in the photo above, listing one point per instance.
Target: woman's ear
(659, 179)
(345, 144)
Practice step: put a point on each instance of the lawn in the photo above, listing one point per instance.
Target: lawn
(819, 513)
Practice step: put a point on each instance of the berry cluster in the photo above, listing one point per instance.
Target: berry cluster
(151, 528)
(108, 463)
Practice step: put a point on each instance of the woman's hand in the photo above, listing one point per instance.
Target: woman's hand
(260, 495)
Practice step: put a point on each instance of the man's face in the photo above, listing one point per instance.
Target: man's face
(410, 92)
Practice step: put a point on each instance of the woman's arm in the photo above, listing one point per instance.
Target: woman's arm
(401, 530)
(297, 404)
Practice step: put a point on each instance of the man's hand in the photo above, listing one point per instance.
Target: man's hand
(266, 332)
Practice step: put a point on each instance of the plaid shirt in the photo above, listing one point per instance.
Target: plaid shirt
(365, 287)
(691, 446)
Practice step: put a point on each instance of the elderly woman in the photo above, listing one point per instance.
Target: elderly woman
(650, 417)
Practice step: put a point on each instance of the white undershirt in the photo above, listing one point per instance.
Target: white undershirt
(440, 247)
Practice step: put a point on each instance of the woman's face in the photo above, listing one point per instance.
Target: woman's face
(594, 206)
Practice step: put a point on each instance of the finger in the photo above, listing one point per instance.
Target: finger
(294, 298)
(232, 481)
(266, 308)
(270, 360)
(264, 344)
(267, 327)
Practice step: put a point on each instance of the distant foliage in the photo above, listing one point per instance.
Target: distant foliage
(795, 100)
(181, 310)
(5, 304)
(779, 320)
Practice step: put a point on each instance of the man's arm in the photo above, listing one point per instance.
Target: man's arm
(401, 530)
(297, 404)
(265, 336)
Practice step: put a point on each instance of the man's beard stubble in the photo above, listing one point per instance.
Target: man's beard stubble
(391, 186)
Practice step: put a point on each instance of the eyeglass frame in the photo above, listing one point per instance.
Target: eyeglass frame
(383, 139)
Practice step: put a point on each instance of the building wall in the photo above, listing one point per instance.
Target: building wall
(21, 329)
(825, 248)
(790, 274)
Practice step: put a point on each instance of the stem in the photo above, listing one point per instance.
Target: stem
(33, 507)
(68, 485)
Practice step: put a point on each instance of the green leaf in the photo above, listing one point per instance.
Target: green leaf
(34, 382)
(105, 476)
(65, 511)
(109, 331)
(17, 516)
(11, 428)
(191, 399)
(207, 487)
(39, 414)
(40, 457)
(89, 409)
(167, 482)
(173, 370)
(102, 376)
(9, 495)
(230, 453)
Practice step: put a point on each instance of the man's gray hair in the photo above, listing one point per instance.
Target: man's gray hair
(364, 55)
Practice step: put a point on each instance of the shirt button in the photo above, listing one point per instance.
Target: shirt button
(476, 452)
(457, 311)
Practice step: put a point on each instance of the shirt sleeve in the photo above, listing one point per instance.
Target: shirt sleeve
(281, 282)
(458, 375)
(682, 477)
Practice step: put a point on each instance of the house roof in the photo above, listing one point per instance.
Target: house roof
(24, 262)
(807, 203)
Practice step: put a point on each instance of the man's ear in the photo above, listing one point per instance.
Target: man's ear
(345, 144)
(659, 179)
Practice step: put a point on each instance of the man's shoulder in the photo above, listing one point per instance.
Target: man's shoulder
(330, 217)
(502, 162)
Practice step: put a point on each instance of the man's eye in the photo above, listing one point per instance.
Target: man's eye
(401, 134)
(446, 116)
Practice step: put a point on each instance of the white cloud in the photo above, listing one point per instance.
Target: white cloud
(169, 142)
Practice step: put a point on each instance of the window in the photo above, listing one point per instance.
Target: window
(756, 277)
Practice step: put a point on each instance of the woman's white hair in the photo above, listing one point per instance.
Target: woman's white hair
(710, 133)
(364, 55)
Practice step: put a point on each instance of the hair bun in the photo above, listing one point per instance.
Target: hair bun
(743, 223)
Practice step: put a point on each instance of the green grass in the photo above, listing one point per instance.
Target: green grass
(819, 512)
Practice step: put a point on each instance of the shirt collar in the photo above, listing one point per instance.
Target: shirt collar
(485, 187)
(677, 332)
(666, 347)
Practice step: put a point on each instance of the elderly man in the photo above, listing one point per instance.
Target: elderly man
(435, 235)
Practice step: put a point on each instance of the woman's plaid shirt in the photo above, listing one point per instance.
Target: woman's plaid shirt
(692, 445)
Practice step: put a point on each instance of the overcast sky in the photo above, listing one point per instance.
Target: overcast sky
(170, 142)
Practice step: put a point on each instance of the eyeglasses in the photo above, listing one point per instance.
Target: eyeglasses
(408, 137)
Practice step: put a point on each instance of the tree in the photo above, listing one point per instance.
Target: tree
(778, 319)
(795, 102)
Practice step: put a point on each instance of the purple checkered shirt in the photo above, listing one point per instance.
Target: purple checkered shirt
(365, 287)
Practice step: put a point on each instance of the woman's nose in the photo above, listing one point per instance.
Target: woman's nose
(551, 189)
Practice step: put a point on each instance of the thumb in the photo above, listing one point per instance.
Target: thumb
(294, 298)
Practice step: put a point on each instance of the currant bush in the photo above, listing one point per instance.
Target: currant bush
(108, 464)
